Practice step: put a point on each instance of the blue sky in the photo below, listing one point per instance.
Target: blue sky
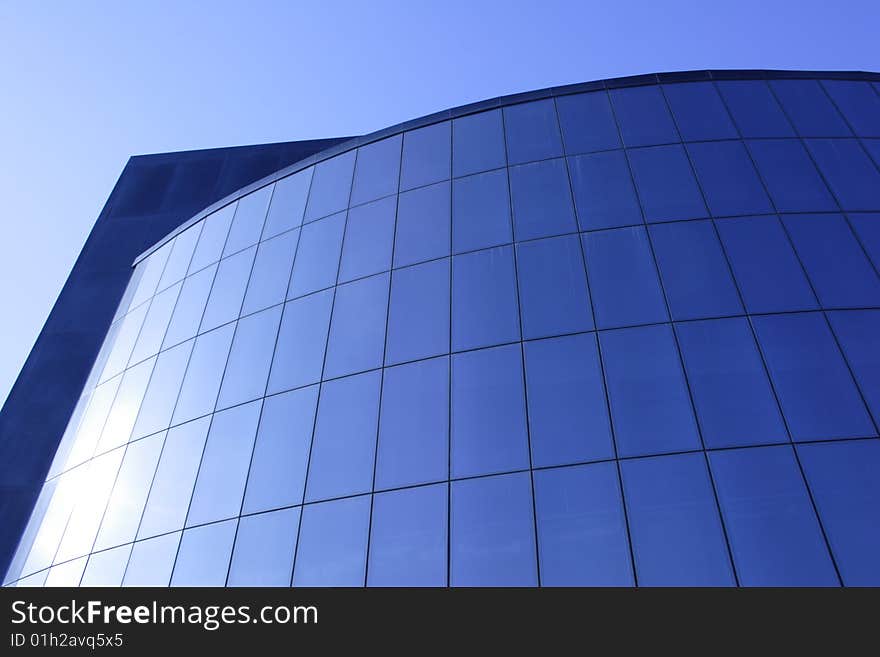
(87, 84)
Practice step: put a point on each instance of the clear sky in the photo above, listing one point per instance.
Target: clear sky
(86, 84)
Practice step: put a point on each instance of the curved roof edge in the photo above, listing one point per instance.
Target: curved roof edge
(513, 99)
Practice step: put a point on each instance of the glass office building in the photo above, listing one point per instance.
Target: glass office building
(620, 333)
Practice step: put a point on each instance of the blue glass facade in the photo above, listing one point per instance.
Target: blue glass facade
(622, 334)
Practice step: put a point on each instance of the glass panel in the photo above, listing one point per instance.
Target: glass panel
(809, 108)
(332, 547)
(493, 532)
(859, 335)
(414, 424)
(541, 200)
(124, 411)
(202, 381)
(418, 323)
(477, 143)
(302, 339)
(106, 568)
(271, 272)
(45, 544)
(792, 179)
(568, 416)
(288, 203)
(67, 575)
(264, 548)
(317, 256)
(331, 186)
(587, 123)
(423, 225)
(754, 109)
(849, 172)
(728, 178)
(250, 358)
(426, 155)
(247, 225)
(488, 412)
(357, 332)
(603, 191)
(212, 239)
(408, 538)
(89, 431)
(867, 228)
(859, 104)
(152, 267)
(121, 351)
(203, 558)
(774, 535)
(643, 116)
(377, 170)
(190, 306)
(231, 281)
(666, 184)
(699, 112)
(676, 532)
(161, 395)
(178, 262)
(649, 400)
(150, 339)
(369, 234)
(345, 437)
(480, 211)
(151, 561)
(532, 131)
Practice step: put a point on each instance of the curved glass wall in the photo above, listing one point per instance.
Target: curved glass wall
(609, 338)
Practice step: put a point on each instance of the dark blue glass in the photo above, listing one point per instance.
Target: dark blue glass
(774, 535)
(331, 186)
(264, 548)
(484, 304)
(643, 116)
(532, 131)
(228, 290)
(357, 332)
(792, 179)
(492, 537)
(414, 424)
(650, 407)
(480, 211)
(867, 227)
(302, 338)
(377, 170)
(809, 108)
(699, 112)
(582, 537)
(859, 334)
(423, 225)
(553, 287)
(733, 398)
(666, 183)
(728, 178)
(843, 480)
(568, 414)
(271, 272)
(541, 198)
(418, 320)
(859, 103)
(488, 412)
(426, 155)
(754, 109)
(369, 234)
(873, 148)
(837, 266)
(677, 536)
(766, 268)
(478, 143)
(587, 123)
(250, 358)
(345, 437)
(247, 225)
(817, 393)
(853, 178)
(203, 556)
(288, 203)
(408, 538)
(694, 270)
(332, 549)
(317, 256)
(603, 191)
(623, 278)
(281, 452)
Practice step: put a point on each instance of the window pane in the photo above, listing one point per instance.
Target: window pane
(345, 437)
(699, 112)
(67, 574)
(587, 123)
(151, 269)
(809, 108)
(250, 358)
(178, 261)
(106, 568)
(765, 266)
(792, 179)
(317, 256)
(553, 287)
(859, 104)
(581, 527)
(488, 412)
(119, 355)
(650, 407)
(493, 532)
(271, 273)
(480, 211)
(817, 393)
(541, 200)
(568, 418)
(231, 281)
(203, 558)
(120, 421)
(666, 183)
(728, 177)
(841, 274)
(408, 538)
(288, 203)
(161, 395)
(867, 227)
(332, 547)
(603, 191)
(532, 131)
(478, 143)
(774, 535)
(414, 425)
(843, 479)
(53, 523)
(423, 225)
(202, 381)
(190, 306)
(426, 155)
(849, 172)
(151, 561)
(223, 471)
(214, 230)
(623, 278)
(369, 233)
(676, 532)
(357, 332)
(264, 548)
(734, 401)
(643, 116)
(281, 453)
(859, 335)
(94, 419)
(153, 330)
(484, 305)
(694, 271)
(302, 338)
(377, 170)
(418, 324)
(247, 225)
(331, 186)
(755, 110)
